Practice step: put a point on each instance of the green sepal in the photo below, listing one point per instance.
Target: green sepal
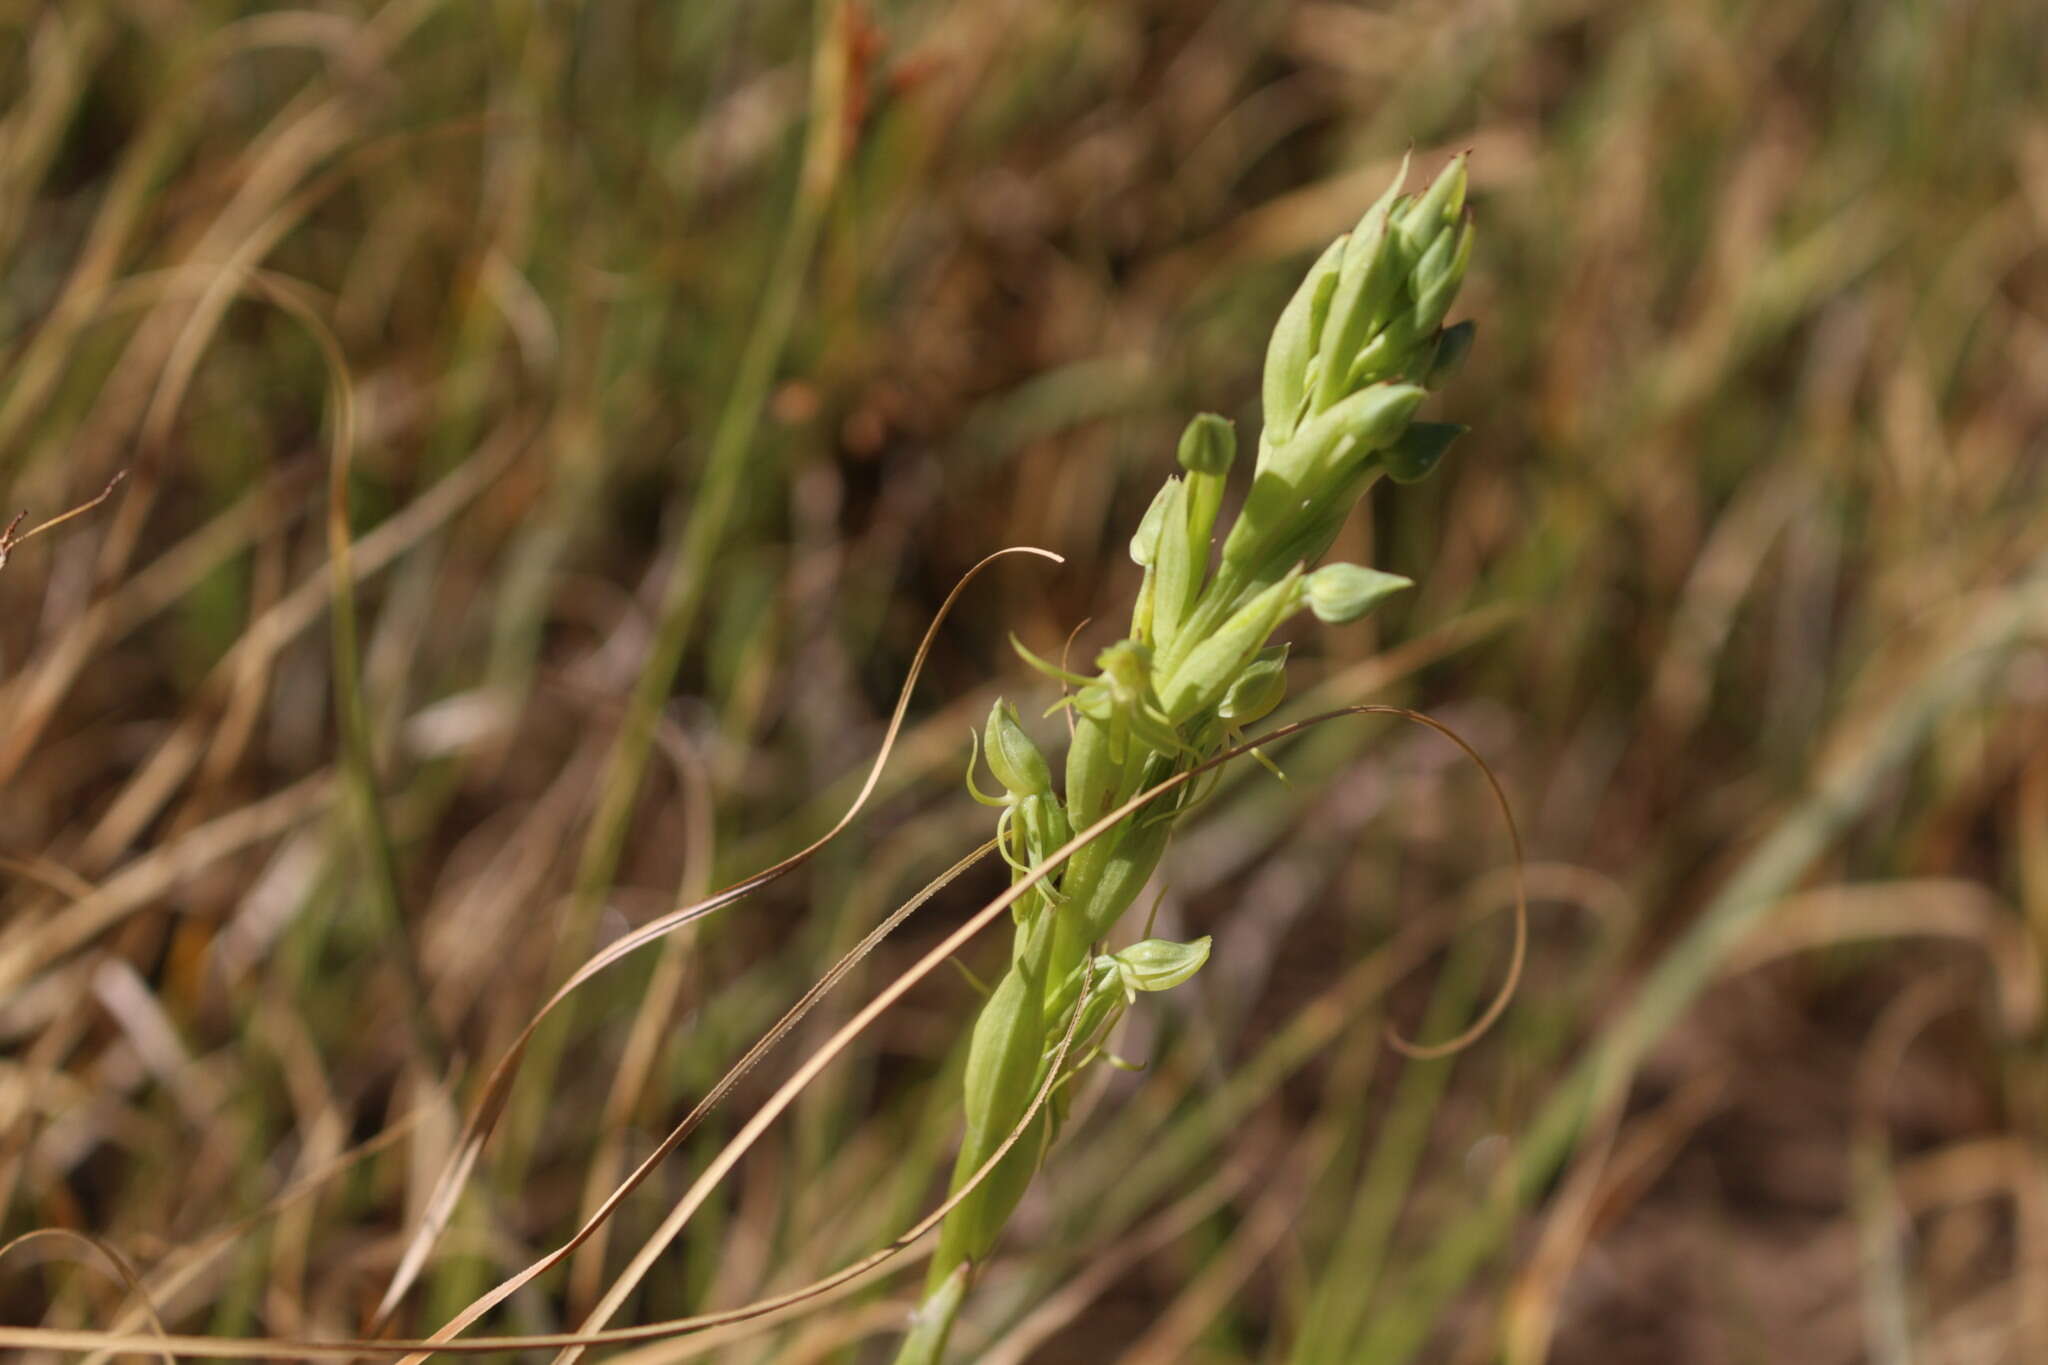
(981, 798)
(1051, 670)
(1420, 450)
(1452, 345)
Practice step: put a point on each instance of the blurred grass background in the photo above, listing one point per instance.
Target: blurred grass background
(694, 351)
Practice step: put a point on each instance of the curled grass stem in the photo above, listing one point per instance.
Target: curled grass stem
(720, 1166)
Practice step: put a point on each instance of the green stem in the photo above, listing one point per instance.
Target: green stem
(932, 1323)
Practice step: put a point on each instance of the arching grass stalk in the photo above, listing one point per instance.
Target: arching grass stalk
(1354, 354)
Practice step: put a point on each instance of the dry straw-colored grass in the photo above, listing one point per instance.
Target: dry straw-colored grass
(548, 432)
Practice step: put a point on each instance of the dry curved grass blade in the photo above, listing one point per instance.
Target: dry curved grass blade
(1929, 907)
(572, 1343)
(1518, 955)
(1057, 1309)
(123, 1271)
(234, 1348)
(51, 875)
(1881, 1223)
(138, 884)
(1613, 1171)
(497, 1087)
(181, 1268)
(1884, 738)
(775, 1034)
(9, 540)
(651, 1019)
(821, 1340)
(729, 1156)
(723, 1163)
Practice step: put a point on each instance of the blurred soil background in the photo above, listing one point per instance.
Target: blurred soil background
(692, 352)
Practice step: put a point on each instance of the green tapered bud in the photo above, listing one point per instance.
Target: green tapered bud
(1012, 757)
(1423, 220)
(1295, 340)
(1145, 541)
(1421, 448)
(1159, 964)
(1371, 277)
(1375, 263)
(1208, 445)
(1092, 771)
(1207, 672)
(1207, 449)
(1438, 276)
(1341, 593)
(1372, 223)
(1258, 690)
(1367, 420)
(1174, 571)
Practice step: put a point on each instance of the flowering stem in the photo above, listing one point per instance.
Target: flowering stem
(1350, 360)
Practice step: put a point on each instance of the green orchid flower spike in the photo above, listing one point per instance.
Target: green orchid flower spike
(1353, 356)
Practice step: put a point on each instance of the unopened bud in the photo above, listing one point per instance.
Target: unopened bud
(1159, 964)
(1341, 593)
(1209, 445)
(1259, 689)
(1012, 757)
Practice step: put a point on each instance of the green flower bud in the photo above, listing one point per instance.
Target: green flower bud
(1207, 449)
(1341, 593)
(1091, 771)
(1159, 964)
(1258, 690)
(1366, 421)
(1364, 298)
(1012, 757)
(1439, 206)
(1420, 449)
(1365, 237)
(1208, 445)
(1437, 285)
(1002, 1060)
(1176, 571)
(1206, 674)
(1295, 339)
(1045, 826)
(1145, 542)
